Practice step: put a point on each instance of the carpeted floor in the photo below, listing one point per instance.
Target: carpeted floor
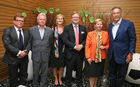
(102, 82)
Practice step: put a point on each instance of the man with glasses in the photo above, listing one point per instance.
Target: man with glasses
(16, 43)
(74, 38)
(121, 47)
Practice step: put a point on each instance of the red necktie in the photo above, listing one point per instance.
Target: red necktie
(76, 35)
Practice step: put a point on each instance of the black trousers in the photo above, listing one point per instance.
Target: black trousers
(18, 73)
(75, 63)
(117, 73)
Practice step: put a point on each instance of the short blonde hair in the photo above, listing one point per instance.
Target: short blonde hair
(98, 20)
(59, 15)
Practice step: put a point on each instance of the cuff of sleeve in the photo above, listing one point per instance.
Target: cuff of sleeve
(74, 47)
(19, 53)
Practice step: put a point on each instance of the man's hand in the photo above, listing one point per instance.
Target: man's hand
(22, 54)
(129, 58)
(79, 47)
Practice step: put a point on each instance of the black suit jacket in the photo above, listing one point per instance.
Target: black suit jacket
(11, 44)
(69, 40)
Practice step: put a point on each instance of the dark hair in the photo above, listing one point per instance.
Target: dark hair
(115, 8)
(18, 15)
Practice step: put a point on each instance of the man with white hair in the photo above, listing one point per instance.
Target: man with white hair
(41, 39)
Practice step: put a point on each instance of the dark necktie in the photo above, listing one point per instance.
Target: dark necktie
(20, 40)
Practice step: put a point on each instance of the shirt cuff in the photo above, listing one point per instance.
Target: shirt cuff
(19, 53)
(74, 47)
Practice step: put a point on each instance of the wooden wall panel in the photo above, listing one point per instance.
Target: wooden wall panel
(131, 10)
(8, 9)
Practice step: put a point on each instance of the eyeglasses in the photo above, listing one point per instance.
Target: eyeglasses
(75, 17)
(116, 13)
(19, 21)
(59, 18)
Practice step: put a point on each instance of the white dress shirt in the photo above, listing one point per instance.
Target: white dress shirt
(74, 31)
(77, 27)
(17, 31)
(115, 28)
(41, 31)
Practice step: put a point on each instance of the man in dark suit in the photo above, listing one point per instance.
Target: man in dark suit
(16, 43)
(121, 47)
(74, 38)
(41, 38)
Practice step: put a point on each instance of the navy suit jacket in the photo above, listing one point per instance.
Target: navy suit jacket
(124, 42)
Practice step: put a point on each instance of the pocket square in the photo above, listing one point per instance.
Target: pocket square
(82, 32)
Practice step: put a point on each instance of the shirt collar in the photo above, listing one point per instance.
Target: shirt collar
(74, 25)
(17, 28)
(44, 27)
(117, 22)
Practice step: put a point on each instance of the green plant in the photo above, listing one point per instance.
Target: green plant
(50, 14)
(24, 14)
(87, 19)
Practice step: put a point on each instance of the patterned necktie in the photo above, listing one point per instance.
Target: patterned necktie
(76, 35)
(20, 40)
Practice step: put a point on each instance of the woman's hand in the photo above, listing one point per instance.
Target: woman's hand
(89, 60)
(102, 47)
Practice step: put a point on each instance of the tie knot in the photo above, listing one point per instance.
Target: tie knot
(19, 30)
(75, 25)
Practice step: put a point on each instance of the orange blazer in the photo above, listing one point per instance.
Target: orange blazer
(91, 42)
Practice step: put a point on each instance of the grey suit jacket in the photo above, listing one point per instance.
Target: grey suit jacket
(41, 48)
(11, 44)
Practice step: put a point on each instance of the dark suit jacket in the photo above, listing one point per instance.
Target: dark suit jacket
(41, 48)
(69, 40)
(11, 44)
(124, 43)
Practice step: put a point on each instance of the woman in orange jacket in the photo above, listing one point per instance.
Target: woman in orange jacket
(97, 44)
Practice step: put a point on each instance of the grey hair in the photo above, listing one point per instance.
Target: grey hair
(115, 8)
(41, 14)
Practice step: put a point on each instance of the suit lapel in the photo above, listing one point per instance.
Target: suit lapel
(72, 32)
(120, 28)
(45, 32)
(110, 31)
(37, 32)
(80, 33)
(14, 33)
(25, 36)
(94, 35)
